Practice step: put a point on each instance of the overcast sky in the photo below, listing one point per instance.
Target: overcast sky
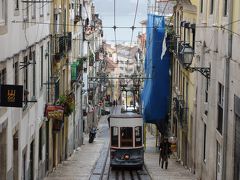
(125, 11)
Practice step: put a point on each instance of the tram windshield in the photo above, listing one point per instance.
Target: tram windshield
(126, 136)
(114, 136)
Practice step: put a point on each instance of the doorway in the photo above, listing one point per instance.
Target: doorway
(15, 156)
(237, 149)
(31, 163)
(24, 164)
(3, 153)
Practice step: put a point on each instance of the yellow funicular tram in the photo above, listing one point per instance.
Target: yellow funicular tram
(126, 142)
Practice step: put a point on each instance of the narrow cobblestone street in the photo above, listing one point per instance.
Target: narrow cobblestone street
(83, 162)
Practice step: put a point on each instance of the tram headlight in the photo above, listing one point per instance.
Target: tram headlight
(126, 156)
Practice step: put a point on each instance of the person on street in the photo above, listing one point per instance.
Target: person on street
(165, 151)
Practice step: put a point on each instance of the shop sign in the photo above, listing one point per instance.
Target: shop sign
(11, 95)
(54, 112)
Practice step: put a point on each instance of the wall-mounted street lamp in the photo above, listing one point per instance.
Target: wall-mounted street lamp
(186, 53)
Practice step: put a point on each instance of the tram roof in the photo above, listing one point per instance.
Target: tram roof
(126, 116)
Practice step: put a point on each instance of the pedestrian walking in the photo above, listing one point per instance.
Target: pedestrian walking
(165, 151)
(116, 102)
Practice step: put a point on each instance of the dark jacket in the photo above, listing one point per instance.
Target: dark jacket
(165, 149)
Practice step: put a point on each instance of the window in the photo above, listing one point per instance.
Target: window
(16, 4)
(114, 136)
(138, 136)
(40, 145)
(206, 91)
(2, 11)
(41, 8)
(211, 6)
(204, 142)
(41, 80)
(25, 11)
(16, 73)
(220, 107)
(3, 77)
(78, 9)
(34, 74)
(25, 80)
(201, 6)
(63, 79)
(126, 136)
(48, 8)
(56, 90)
(34, 9)
(225, 7)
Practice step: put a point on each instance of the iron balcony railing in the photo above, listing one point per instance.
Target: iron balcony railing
(58, 46)
(180, 110)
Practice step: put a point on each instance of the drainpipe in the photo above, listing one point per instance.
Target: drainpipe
(226, 94)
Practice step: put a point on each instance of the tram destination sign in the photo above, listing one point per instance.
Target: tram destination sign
(11, 95)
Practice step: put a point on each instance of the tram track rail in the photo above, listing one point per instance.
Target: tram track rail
(124, 173)
(128, 174)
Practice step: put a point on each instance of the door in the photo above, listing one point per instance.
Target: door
(31, 163)
(3, 153)
(24, 166)
(219, 161)
(15, 156)
(237, 150)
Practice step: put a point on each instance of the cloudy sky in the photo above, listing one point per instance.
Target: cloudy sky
(125, 11)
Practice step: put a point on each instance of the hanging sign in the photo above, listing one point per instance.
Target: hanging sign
(11, 95)
(54, 112)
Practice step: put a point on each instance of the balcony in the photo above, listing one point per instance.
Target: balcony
(78, 13)
(58, 46)
(77, 69)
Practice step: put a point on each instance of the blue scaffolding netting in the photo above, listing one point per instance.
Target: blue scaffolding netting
(155, 96)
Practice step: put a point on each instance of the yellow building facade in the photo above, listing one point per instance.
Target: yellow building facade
(183, 83)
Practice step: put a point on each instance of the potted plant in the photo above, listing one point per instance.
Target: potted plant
(68, 102)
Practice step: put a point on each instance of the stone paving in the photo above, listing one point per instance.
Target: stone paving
(175, 170)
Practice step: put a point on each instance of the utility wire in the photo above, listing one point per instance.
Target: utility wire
(104, 27)
(133, 27)
(231, 23)
(114, 28)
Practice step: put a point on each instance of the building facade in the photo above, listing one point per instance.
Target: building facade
(45, 49)
(218, 98)
(204, 87)
(24, 60)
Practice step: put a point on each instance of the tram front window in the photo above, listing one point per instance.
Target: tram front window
(114, 135)
(126, 137)
(138, 136)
